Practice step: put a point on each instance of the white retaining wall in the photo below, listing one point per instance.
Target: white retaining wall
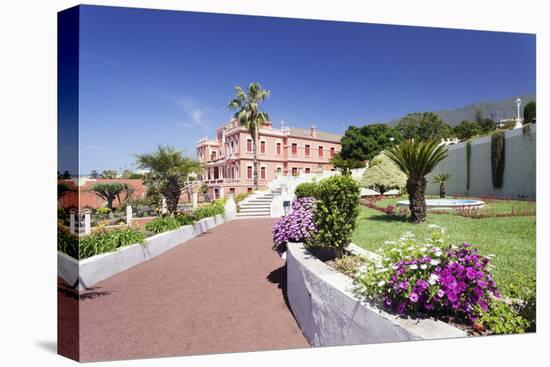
(519, 179)
(85, 273)
(329, 314)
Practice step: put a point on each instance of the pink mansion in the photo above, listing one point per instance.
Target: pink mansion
(286, 151)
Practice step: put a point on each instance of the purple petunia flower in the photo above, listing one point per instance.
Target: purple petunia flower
(413, 297)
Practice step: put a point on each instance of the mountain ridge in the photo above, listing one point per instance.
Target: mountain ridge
(496, 110)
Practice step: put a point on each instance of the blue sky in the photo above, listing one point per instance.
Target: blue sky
(159, 77)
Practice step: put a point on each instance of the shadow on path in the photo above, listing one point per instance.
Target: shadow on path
(278, 276)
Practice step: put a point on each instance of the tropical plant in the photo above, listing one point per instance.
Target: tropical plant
(416, 159)
(162, 224)
(346, 165)
(210, 210)
(441, 179)
(109, 173)
(167, 173)
(383, 175)
(336, 212)
(103, 241)
(109, 191)
(67, 242)
(247, 107)
(94, 175)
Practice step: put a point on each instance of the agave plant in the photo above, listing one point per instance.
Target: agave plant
(416, 159)
(441, 179)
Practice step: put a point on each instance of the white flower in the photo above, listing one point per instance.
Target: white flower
(433, 279)
(381, 283)
(413, 267)
(435, 262)
(423, 266)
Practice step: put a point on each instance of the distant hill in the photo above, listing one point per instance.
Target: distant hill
(496, 110)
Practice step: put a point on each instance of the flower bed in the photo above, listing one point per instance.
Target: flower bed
(438, 279)
(330, 313)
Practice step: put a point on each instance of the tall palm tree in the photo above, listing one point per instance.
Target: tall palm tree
(416, 159)
(168, 172)
(247, 107)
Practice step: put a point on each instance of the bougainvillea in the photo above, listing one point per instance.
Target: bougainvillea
(430, 277)
(297, 226)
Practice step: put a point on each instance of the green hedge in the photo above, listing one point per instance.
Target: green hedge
(306, 189)
(336, 212)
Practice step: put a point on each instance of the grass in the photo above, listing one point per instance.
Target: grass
(511, 239)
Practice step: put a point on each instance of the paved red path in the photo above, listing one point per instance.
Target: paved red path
(219, 292)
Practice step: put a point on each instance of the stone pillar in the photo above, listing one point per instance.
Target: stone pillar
(222, 194)
(195, 200)
(129, 215)
(164, 207)
(230, 207)
(72, 219)
(87, 214)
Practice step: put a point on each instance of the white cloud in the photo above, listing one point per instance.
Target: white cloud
(194, 113)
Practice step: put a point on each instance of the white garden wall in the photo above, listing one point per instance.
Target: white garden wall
(330, 314)
(519, 167)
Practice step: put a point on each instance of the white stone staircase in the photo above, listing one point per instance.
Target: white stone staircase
(258, 205)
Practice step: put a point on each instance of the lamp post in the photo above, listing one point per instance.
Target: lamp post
(518, 119)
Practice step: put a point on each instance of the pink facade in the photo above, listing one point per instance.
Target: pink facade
(229, 158)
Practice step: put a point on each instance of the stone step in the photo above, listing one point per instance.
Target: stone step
(254, 215)
(255, 209)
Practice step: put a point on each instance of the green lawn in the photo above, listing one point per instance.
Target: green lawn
(511, 239)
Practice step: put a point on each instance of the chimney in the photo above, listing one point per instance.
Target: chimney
(313, 132)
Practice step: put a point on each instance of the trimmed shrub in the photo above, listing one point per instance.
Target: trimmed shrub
(163, 224)
(306, 190)
(383, 175)
(336, 212)
(497, 158)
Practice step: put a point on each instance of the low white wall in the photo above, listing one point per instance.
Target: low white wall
(519, 179)
(329, 314)
(85, 273)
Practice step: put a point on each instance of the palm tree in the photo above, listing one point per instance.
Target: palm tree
(416, 159)
(249, 115)
(441, 179)
(168, 172)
